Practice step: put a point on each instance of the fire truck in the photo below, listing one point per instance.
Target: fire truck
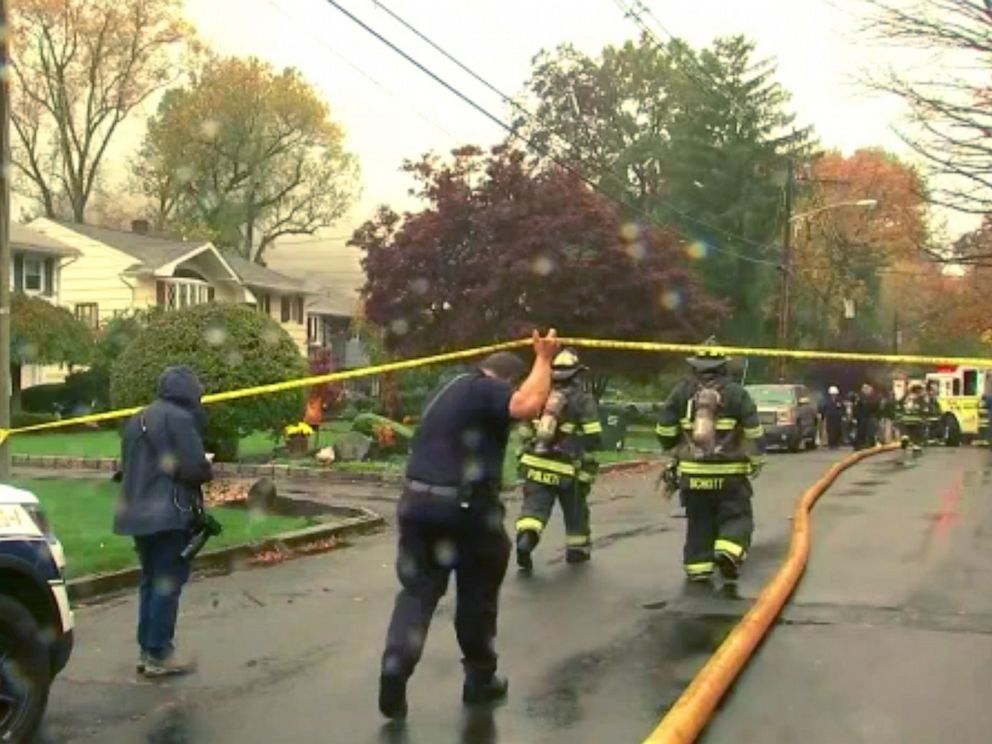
(961, 392)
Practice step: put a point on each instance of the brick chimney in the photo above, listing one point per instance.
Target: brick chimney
(141, 227)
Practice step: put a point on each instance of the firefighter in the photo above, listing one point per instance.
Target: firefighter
(932, 414)
(911, 419)
(832, 415)
(711, 424)
(557, 464)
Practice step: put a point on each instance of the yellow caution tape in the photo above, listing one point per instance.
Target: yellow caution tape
(279, 387)
(757, 351)
(588, 343)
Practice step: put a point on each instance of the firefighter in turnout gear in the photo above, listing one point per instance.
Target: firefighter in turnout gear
(556, 463)
(711, 425)
(911, 418)
(932, 414)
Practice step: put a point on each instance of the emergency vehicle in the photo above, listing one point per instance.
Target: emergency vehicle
(961, 392)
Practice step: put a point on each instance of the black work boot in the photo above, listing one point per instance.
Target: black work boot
(729, 567)
(526, 542)
(481, 689)
(577, 555)
(392, 696)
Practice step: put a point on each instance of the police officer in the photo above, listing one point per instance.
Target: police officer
(451, 519)
(832, 413)
(556, 464)
(711, 424)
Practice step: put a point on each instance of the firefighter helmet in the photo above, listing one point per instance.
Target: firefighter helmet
(706, 360)
(566, 365)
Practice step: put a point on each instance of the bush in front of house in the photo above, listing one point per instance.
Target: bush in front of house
(230, 347)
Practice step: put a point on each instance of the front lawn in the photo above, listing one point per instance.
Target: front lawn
(81, 513)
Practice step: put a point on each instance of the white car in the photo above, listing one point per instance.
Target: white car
(36, 624)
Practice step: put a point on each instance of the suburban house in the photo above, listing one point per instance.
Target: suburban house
(37, 265)
(116, 271)
(331, 313)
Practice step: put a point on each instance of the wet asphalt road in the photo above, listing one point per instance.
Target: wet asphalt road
(595, 653)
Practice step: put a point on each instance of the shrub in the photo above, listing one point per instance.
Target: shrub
(230, 347)
(22, 418)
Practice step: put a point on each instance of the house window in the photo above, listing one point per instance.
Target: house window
(313, 328)
(264, 304)
(181, 292)
(286, 309)
(89, 314)
(298, 310)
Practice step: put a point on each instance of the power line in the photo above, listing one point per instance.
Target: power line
(365, 74)
(543, 151)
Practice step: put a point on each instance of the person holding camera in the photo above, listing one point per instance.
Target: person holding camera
(163, 468)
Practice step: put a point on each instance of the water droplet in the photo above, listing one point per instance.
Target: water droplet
(445, 553)
(215, 335)
(168, 463)
(420, 286)
(399, 326)
(234, 358)
(543, 266)
(697, 250)
(671, 299)
(636, 250)
(210, 128)
(184, 174)
(629, 232)
(271, 336)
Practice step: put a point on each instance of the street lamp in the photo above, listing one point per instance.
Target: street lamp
(784, 307)
(864, 203)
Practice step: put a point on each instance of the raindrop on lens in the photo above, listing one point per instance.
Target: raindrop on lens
(543, 266)
(215, 335)
(210, 128)
(629, 232)
(420, 286)
(636, 250)
(234, 359)
(399, 326)
(671, 299)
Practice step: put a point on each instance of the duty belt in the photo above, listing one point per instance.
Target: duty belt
(448, 492)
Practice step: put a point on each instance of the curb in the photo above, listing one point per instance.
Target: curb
(224, 560)
(279, 472)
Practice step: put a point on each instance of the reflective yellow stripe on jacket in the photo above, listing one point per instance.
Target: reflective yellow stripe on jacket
(692, 467)
(544, 463)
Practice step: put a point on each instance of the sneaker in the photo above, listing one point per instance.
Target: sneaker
(142, 662)
(480, 692)
(170, 666)
(729, 568)
(392, 696)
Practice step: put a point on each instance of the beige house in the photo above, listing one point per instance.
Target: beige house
(37, 264)
(115, 271)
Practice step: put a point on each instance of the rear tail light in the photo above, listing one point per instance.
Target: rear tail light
(787, 417)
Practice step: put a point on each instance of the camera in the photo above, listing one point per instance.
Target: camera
(206, 527)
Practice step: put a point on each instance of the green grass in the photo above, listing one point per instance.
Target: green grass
(81, 513)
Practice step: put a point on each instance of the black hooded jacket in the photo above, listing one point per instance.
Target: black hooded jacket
(162, 459)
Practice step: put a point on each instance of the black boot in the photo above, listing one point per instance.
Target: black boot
(526, 542)
(730, 568)
(577, 555)
(392, 696)
(481, 689)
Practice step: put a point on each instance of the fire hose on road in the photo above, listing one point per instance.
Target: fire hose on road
(693, 710)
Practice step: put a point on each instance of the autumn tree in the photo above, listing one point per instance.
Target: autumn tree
(858, 229)
(503, 245)
(694, 139)
(950, 103)
(244, 155)
(42, 333)
(82, 67)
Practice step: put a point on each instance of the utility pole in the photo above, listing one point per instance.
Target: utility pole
(786, 268)
(6, 171)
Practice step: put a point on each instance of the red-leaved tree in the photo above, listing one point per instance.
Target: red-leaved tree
(504, 245)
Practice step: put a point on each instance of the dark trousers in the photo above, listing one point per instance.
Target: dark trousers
(719, 518)
(835, 431)
(439, 535)
(866, 434)
(539, 500)
(163, 573)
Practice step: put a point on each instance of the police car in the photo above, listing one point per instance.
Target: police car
(36, 624)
